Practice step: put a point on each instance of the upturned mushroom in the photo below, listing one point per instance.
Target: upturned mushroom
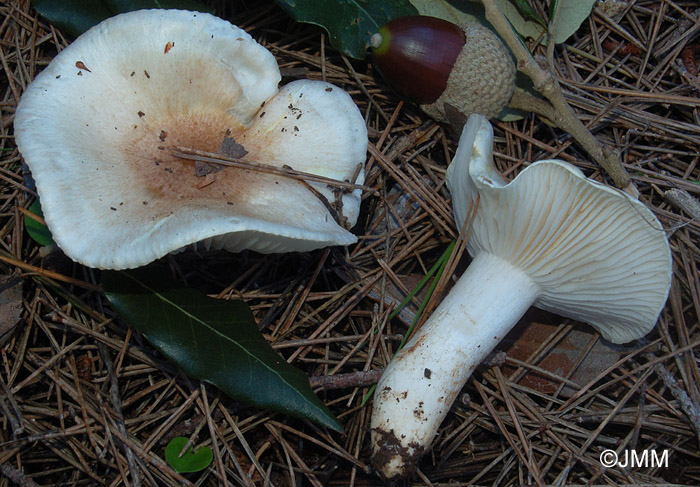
(550, 238)
(100, 126)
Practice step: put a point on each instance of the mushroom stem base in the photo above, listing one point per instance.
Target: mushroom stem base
(422, 381)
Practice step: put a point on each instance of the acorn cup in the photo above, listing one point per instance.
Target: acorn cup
(450, 71)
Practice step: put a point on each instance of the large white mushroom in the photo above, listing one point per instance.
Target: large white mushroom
(550, 238)
(98, 128)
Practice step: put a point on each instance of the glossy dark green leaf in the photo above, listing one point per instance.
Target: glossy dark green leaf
(77, 16)
(38, 231)
(214, 340)
(190, 461)
(349, 23)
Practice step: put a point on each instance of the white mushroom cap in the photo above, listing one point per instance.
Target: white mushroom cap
(314, 127)
(597, 255)
(97, 128)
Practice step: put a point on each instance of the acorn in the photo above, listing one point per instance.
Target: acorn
(451, 71)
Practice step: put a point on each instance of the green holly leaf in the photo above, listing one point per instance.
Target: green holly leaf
(214, 340)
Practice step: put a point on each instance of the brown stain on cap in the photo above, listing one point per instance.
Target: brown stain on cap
(172, 181)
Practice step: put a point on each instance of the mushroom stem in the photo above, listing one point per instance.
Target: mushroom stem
(424, 378)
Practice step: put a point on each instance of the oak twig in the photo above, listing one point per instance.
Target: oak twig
(686, 403)
(683, 200)
(16, 476)
(560, 112)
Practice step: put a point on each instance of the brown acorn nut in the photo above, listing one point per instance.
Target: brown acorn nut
(445, 68)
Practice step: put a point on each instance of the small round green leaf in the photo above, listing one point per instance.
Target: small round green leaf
(190, 461)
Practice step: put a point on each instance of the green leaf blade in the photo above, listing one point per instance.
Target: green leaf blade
(37, 231)
(349, 23)
(216, 341)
